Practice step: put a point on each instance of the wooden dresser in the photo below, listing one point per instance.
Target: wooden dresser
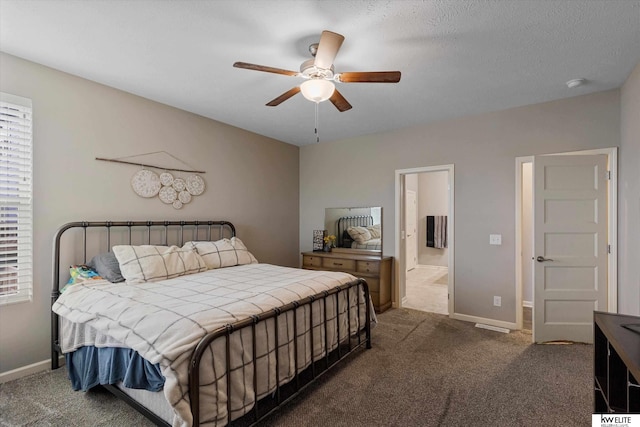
(375, 270)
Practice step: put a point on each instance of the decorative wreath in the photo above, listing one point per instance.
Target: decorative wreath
(170, 190)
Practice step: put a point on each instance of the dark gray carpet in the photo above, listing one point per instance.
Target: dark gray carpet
(424, 370)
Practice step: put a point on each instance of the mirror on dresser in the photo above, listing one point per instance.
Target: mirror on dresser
(357, 229)
(362, 259)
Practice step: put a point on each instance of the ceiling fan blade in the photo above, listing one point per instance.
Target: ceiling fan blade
(338, 100)
(264, 68)
(288, 94)
(328, 48)
(370, 77)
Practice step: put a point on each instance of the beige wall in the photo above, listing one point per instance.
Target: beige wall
(433, 199)
(629, 197)
(251, 180)
(483, 149)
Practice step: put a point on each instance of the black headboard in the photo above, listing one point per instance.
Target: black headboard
(100, 236)
(83, 238)
(343, 223)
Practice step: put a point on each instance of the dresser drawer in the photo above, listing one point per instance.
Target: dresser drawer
(311, 261)
(377, 272)
(339, 264)
(368, 266)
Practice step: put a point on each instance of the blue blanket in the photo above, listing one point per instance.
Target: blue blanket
(89, 366)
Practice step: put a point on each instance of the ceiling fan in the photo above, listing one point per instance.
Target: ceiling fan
(320, 75)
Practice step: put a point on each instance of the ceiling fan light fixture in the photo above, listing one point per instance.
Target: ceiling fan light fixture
(317, 90)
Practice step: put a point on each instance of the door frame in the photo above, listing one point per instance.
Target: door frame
(400, 246)
(415, 195)
(612, 229)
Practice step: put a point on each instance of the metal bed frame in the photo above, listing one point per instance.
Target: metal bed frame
(343, 223)
(284, 392)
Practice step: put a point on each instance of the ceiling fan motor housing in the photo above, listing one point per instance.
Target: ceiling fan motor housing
(309, 70)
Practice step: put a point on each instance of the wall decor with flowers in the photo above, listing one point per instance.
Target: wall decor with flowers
(174, 189)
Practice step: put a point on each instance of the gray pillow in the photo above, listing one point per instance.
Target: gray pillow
(107, 266)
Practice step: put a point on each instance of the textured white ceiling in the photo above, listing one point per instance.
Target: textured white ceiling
(456, 57)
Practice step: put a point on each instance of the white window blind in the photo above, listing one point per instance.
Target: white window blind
(16, 223)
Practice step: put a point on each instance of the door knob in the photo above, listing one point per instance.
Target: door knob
(543, 259)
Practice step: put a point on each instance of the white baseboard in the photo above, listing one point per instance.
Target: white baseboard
(433, 267)
(24, 371)
(527, 304)
(492, 328)
(482, 320)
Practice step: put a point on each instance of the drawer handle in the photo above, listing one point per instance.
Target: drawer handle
(337, 263)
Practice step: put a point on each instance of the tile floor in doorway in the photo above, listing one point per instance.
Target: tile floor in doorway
(526, 318)
(427, 289)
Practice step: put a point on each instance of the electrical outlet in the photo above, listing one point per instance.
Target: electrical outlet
(495, 239)
(497, 301)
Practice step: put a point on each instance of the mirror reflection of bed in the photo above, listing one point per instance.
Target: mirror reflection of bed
(357, 229)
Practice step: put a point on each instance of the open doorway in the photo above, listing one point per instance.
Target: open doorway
(424, 220)
(526, 233)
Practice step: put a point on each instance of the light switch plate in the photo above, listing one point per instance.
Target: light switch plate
(495, 239)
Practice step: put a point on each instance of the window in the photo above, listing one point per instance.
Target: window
(16, 276)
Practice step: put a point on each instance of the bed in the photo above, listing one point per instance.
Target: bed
(358, 232)
(233, 339)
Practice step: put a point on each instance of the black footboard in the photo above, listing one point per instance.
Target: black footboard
(284, 393)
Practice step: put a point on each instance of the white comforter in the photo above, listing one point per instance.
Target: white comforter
(367, 244)
(163, 321)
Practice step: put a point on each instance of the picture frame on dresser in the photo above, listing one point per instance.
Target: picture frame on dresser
(318, 239)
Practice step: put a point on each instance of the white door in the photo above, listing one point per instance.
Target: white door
(411, 212)
(570, 245)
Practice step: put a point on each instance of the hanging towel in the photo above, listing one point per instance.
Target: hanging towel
(440, 231)
(430, 232)
(437, 231)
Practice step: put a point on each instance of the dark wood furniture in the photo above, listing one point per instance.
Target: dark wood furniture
(616, 363)
(374, 269)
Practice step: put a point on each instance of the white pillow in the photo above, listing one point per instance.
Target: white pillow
(375, 231)
(359, 234)
(148, 263)
(223, 253)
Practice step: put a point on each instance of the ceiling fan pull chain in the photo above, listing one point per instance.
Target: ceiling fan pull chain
(316, 129)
